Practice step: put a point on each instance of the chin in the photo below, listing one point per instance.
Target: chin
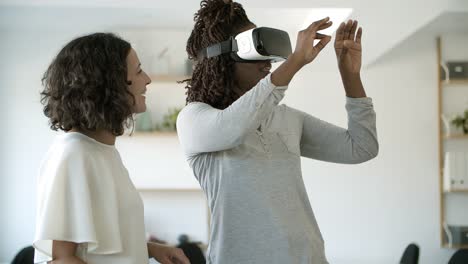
(140, 109)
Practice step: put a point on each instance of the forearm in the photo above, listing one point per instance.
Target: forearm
(63, 252)
(151, 249)
(283, 75)
(324, 141)
(352, 84)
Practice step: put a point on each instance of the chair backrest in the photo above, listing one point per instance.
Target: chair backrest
(410, 255)
(193, 252)
(459, 257)
(24, 256)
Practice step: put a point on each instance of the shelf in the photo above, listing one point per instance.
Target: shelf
(457, 191)
(166, 78)
(153, 134)
(455, 246)
(455, 82)
(456, 136)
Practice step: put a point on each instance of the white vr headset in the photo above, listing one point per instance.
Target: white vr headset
(257, 44)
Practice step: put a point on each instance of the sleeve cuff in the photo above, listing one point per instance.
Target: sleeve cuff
(267, 89)
(272, 85)
(366, 101)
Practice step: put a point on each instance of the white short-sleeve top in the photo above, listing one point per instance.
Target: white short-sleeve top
(85, 196)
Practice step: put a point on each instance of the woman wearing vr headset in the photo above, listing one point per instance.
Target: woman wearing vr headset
(245, 149)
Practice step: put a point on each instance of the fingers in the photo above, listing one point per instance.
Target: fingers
(325, 26)
(353, 30)
(359, 36)
(319, 25)
(340, 32)
(348, 31)
(320, 36)
(183, 260)
(321, 44)
(174, 260)
(180, 258)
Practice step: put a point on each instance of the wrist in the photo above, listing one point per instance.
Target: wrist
(286, 71)
(152, 249)
(353, 85)
(296, 60)
(349, 75)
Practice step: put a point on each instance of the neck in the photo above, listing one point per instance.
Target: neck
(239, 90)
(102, 136)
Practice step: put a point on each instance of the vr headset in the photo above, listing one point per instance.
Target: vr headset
(257, 44)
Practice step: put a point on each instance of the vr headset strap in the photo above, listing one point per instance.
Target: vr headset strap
(217, 49)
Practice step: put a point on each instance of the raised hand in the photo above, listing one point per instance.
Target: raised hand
(305, 48)
(304, 53)
(348, 47)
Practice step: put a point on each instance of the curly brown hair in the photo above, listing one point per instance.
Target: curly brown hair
(86, 87)
(213, 78)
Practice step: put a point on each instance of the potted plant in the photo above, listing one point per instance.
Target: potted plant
(462, 121)
(169, 120)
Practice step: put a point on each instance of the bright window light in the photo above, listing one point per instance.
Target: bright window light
(337, 15)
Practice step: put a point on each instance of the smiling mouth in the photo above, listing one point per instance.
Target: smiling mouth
(266, 69)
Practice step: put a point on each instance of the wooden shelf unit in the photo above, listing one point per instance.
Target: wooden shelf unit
(456, 136)
(442, 84)
(167, 78)
(457, 191)
(455, 82)
(161, 134)
(154, 134)
(454, 246)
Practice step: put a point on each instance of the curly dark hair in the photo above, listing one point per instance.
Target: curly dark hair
(213, 78)
(86, 87)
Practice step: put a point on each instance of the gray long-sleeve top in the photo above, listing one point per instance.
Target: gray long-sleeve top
(247, 160)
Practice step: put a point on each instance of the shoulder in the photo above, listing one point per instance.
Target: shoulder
(288, 112)
(70, 150)
(194, 107)
(285, 118)
(193, 111)
(75, 145)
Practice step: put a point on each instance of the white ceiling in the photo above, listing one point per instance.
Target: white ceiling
(448, 22)
(386, 23)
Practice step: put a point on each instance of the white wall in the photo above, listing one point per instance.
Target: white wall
(367, 213)
(24, 132)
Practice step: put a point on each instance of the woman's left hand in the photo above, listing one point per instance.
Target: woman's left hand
(348, 47)
(167, 255)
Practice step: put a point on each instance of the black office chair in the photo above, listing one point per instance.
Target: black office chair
(459, 257)
(191, 250)
(25, 256)
(410, 255)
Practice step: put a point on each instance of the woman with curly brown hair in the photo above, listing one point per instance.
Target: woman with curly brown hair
(245, 149)
(88, 209)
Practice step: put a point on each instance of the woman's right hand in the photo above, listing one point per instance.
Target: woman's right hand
(305, 51)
